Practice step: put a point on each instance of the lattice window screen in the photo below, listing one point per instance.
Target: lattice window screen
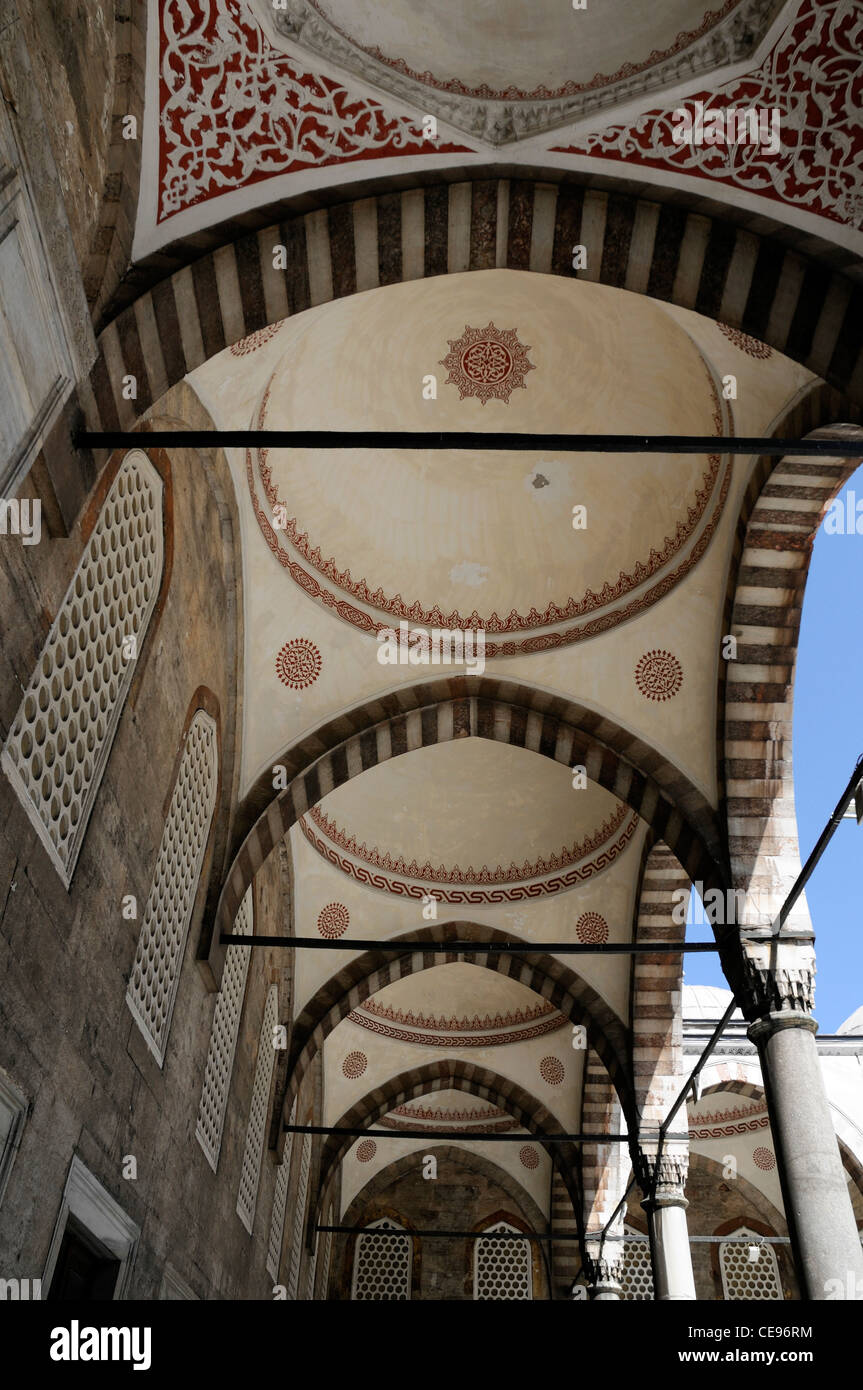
(636, 1272)
(745, 1279)
(502, 1268)
(299, 1218)
(382, 1264)
(328, 1251)
(61, 737)
(223, 1039)
(280, 1198)
(162, 943)
(313, 1264)
(250, 1174)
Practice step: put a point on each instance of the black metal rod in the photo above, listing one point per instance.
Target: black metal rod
(797, 888)
(696, 1070)
(538, 1235)
(470, 1235)
(480, 948)
(460, 439)
(358, 1131)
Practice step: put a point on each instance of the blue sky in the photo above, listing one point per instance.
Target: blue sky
(828, 739)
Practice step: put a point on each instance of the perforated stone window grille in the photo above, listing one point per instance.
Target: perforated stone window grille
(328, 1253)
(223, 1039)
(313, 1265)
(161, 945)
(382, 1263)
(502, 1268)
(61, 736)
(250, 1174)
(299, 1218)
(636, 1274)
(280, 1199)
(743, 1278)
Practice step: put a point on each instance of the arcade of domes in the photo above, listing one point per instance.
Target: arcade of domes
(250, 381)
(625, 617)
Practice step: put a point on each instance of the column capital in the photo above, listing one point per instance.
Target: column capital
(778, 997)
(663, 1183)
(602, 1266)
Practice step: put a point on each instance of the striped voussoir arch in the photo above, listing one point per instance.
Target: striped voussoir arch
(566, 1256)
(458, 707)
(598, 1116)
(549, 977)
(657, 982)
(801, 307)
(759, 684)
(603, 1171)
(451, 1074)
(819, 406)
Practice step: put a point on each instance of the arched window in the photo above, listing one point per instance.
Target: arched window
(382, 1263)
(61, 737)
(502, 1269)
(636, 1274)
(162, 943)
(280, 1200)
(223, 1039)
(250, 1173)
(745, 1277)
(299, 1218)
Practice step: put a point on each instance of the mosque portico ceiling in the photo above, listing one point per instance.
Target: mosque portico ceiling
(551, 837)
(245, 99)
(638, 577)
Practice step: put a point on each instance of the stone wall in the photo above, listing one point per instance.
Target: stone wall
(67, 1038)
(73, 53)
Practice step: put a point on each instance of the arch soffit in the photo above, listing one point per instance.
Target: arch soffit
(546, 975)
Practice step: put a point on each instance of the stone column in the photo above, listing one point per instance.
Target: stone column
(824, 1238)
(665, 1205)
(602, 1268)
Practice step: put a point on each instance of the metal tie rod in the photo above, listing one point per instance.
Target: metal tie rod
(479, 948)
(534, 1235)
(357, 1131)
(460, 439)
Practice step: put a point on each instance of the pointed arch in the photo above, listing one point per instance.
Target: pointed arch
(779, 520)
(543, 973)
(451, 1074)
(690, 258)
(439, 711)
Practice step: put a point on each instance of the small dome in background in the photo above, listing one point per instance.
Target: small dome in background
(853, 1023)
(707, 1001)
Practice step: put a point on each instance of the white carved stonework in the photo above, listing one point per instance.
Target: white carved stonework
(729, 34)
(233, 110)
(811, 78)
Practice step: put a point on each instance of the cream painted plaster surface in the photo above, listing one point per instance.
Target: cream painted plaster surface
(598, 672)
(475, 44)
(376, 915)
(387, 1058)
(472, 803)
